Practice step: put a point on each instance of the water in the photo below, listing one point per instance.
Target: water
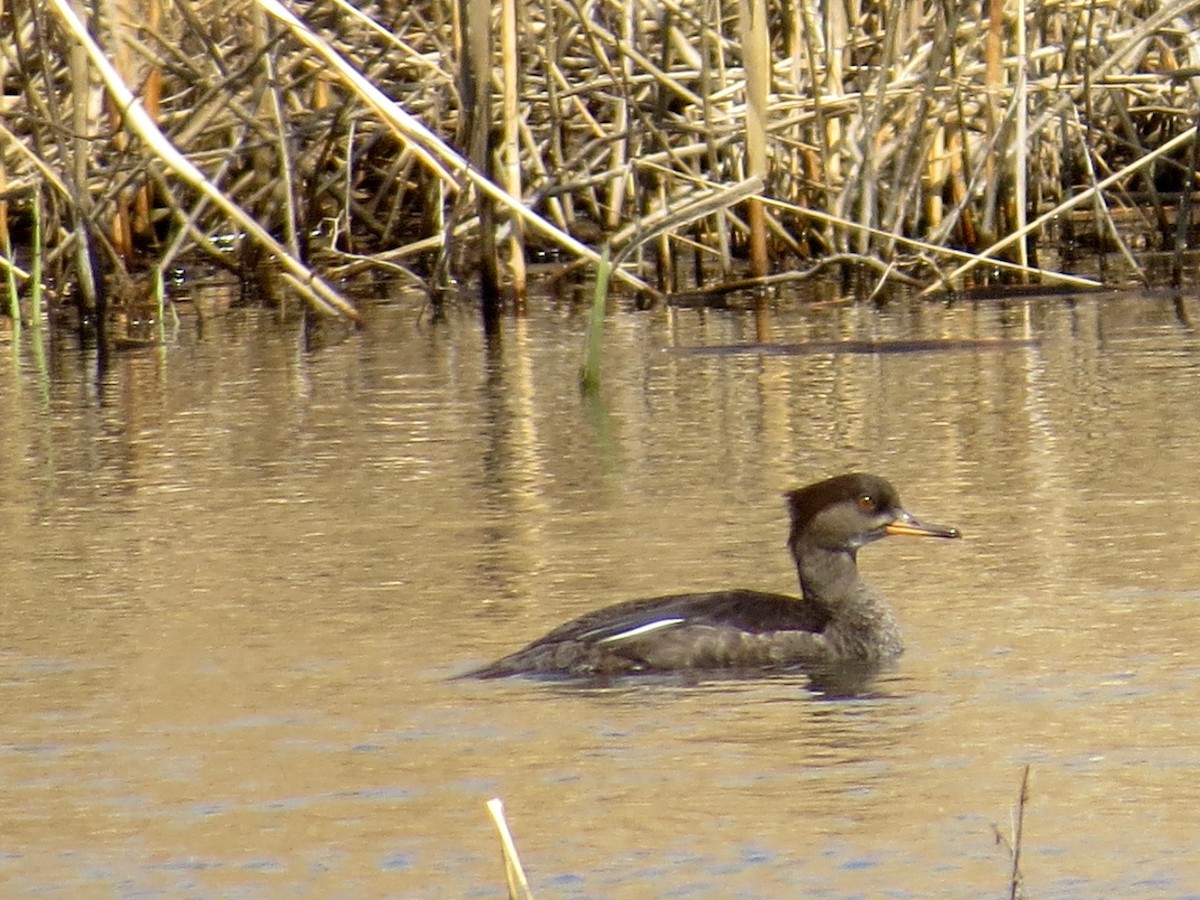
(239, 574)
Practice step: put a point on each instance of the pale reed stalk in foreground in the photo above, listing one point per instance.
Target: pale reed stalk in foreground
(518, 886)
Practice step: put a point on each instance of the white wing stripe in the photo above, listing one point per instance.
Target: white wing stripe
(639, 630)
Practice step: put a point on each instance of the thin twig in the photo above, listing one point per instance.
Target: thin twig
(1013, 842)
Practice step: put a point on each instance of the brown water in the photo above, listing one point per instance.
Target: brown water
(238, 574)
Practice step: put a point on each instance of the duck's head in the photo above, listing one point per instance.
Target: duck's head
(848, 511)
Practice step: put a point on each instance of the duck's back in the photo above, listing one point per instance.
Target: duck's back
(714, 630)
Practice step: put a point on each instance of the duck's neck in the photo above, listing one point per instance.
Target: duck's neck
(827, 576)
(861, 624)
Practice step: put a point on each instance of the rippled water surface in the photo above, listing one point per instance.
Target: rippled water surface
(238, 575)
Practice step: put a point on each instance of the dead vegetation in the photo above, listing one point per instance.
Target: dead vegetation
(435, 141)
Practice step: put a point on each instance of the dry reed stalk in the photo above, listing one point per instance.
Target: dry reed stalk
(336, 132)
(134, 114)
(621, 121)
(511, 144)
(873, 129)
(81, 93)
(514, 873)
(476, 91)
(837, 37)
(35, 266)
(994, 88)
(1066, 206)
(712, 80)
(6, 245)
(10, 273)
(671, 217)
(276, 168)
(929, 251)
(917, 141)
(1021, 138)
(121, 229)
(756, 58)
(434, 152)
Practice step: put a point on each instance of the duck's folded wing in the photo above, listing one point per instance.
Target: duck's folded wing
(697, 647)
(721, 629)
(642, 621)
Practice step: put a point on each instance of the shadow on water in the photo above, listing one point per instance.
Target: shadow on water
(834, 682)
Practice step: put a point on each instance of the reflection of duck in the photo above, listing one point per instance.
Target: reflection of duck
(838, 620)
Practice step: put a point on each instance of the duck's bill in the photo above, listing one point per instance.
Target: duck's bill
(914, 528)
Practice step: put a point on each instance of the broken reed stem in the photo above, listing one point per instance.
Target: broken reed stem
(518, 885)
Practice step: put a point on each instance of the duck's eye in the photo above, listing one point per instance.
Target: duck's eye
(866, 503)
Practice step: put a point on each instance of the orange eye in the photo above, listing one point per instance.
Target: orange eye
(866, 503)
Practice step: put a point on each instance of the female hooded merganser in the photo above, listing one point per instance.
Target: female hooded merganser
(837, 620)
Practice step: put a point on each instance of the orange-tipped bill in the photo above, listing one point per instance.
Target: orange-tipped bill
(912, 527)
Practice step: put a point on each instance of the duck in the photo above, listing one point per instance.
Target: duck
(837, 619)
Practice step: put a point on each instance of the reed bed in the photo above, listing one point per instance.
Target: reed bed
(707, 143)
